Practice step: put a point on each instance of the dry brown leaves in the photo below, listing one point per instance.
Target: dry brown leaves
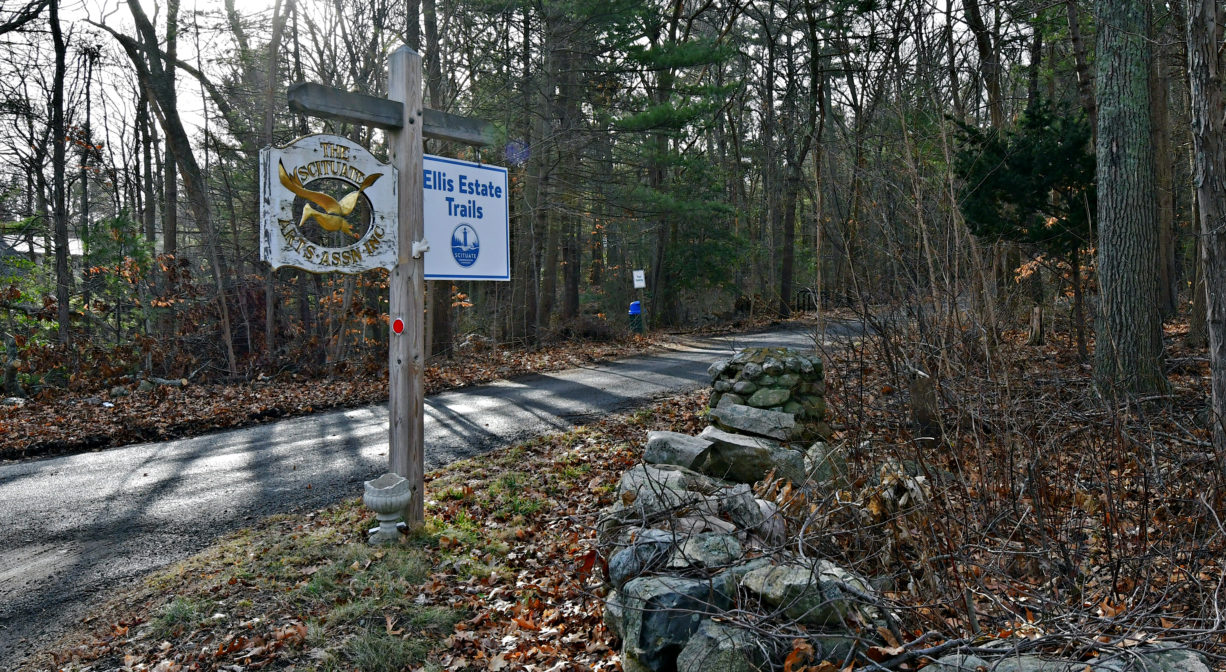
(65, 424)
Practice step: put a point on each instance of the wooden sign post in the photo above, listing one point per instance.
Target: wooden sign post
(407, 123)
(407, 352)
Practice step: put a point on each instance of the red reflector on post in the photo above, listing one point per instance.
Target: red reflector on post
(398, 325)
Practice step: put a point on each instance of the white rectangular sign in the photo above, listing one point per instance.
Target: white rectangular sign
(467, 214)
(640, 280)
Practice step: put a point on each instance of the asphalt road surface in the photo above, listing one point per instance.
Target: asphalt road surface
(73, 529)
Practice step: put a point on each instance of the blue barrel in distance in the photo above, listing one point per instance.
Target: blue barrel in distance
(636, 318)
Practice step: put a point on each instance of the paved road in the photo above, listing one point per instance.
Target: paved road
(73, 529)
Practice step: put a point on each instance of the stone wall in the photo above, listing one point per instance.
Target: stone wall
(773, 379)
(701, 573)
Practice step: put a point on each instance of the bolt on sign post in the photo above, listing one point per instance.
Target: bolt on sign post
(400, 243)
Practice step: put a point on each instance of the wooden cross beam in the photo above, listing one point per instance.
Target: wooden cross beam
(358, 108)
(407, 123)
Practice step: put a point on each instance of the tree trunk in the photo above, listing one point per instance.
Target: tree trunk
(1079, 309)
(147, 141)
(270, 89)
(1085, 84)
(549, 267)
(1128, 352)
(156, 78)
(1036, 335)
(439, 313)
(787, 254)
(524, 323)
(1198, 329)
(1208, 105)
(1160, 136)
(170, 184)
(59, 204)
(83, 179)
(1036, 64)
(989, 61)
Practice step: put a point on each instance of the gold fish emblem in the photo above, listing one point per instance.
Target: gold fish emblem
(332, 218)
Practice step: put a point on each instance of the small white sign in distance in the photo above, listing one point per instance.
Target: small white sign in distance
(327, 206)
(640, 280)
(467, 213)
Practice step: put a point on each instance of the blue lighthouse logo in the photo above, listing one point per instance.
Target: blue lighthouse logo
(464, 245)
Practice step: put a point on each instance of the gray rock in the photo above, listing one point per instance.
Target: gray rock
(661, 613)
(731, 578)
(820, 595)
(145, 386)
(648, 551)
(794, 407)
(958, 663)
(614, 613)
(751, 371)
(732, 398)
(773, 367)
(718, 437)
(774, 527)
(826, 466)
(759, 518)
(738, 417)
(706, 550)
(722, 386)
(718, 647)
(119, 391)
(806, 366)
(717, 369)
(667, 476)
(1175, 659)
(744, 387)
(788, 380)
(698, 522)
(767, 381)
(816, 361)
(793, 364)
(747, 459)
(13, 401)
(739, 505)
(768, 396)
(677, 449)
(1135, 660)
(650, 494)
(632, 664)
(837, 647)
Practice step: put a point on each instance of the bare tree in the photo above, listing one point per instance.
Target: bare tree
(1205, 68)
(1128, 352)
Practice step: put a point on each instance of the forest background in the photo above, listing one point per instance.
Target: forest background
(953, 171)
(751, 156)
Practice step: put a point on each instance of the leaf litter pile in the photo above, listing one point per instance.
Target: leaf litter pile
(1047, 519)
(84, 417)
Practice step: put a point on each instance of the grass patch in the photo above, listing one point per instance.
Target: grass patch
(377, 651)
(177, 616)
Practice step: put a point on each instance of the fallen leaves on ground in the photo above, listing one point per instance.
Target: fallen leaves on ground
(67, 424)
